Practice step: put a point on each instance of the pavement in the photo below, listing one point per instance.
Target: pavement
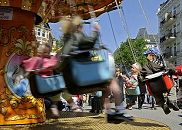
(173, 120)
(145, 119)
(89, 121)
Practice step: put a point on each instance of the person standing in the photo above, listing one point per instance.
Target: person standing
(120, 81)
(132, 85)
(141, 97)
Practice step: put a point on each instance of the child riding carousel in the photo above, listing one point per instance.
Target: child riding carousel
(156, 75)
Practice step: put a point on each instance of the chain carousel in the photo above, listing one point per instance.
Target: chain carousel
(17, 19)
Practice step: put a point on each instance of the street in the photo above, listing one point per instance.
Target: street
(173, 120)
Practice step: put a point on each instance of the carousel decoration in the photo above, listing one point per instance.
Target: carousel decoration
(17, 19)
(59, 8)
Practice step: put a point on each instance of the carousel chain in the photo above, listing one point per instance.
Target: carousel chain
(150, 26)
(125, 26)
(117, 45)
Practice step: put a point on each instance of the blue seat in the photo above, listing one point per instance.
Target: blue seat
(46, 86)
(90, 72)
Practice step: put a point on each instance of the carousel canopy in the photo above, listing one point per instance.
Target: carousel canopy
(55, 9)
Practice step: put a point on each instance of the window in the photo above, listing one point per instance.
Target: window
(178, 8)
(175, 50)
(171, 51)
(175, 63)
(43, 33)
(174, 11)
(178, 47)
(39, 32)
(178, 27)
(174, 29)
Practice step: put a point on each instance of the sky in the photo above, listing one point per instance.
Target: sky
(134, 18)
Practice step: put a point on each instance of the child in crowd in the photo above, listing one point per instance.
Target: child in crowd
(132, 86)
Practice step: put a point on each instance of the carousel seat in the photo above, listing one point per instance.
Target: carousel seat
(90, 72)
(46, 86)
(85, 75)
(159, 83)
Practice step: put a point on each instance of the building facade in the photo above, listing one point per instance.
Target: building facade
(170, 30)
(43, 34)
(151, 39)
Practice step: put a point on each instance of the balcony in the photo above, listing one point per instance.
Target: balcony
(168, 20)
(170, 37)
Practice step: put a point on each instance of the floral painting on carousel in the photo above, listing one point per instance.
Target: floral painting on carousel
(16, 77)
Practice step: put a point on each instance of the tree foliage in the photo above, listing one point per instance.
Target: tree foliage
(124, 55)
(57, 46)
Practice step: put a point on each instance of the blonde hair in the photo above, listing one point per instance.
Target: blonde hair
(69, 24)
(137, 66)
(77, 20)
(66, 25)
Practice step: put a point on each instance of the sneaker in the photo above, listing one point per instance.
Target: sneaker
(119, 117)
(166, 109)
(130, 108)
(124, 115)
(78, 110)
(127, 106)
(140, 108)
(153, 108)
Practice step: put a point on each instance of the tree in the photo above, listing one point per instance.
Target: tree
(124, 55)
(57, 46)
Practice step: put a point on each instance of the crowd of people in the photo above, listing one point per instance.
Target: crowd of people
(134, 85)
(156, 92)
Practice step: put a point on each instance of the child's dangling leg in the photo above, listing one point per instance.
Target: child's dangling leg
(54, 107)
(162, 102)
